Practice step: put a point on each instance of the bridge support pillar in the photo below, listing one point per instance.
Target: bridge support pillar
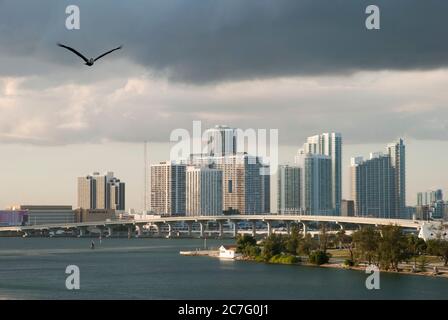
(304, 228)
(235, 229)
(82, 232)
(269, 224)
(202, 229)
(288, 227)
(101, 231)
(189, 228)
(170, 230)
(109, 231)
(152, 232)
(254, 228)
(139, 229)
(340, 225)
(220, 228)
(159, 229)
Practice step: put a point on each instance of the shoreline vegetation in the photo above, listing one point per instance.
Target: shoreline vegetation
(386, 247)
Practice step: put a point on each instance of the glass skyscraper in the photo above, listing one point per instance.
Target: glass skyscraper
(316, 183)
(397, 155)
(379, 184)
(329, 144)
(373, 186)
(289, 189)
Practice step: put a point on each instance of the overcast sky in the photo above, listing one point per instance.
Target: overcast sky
(302, 67)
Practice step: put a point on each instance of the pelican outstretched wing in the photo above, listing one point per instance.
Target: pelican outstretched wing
(74, 51)
(99, 57)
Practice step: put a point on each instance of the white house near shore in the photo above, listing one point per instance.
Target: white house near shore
(228, 252)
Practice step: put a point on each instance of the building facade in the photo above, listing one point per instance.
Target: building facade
(48, 214)
(429, 197)
(101, 191)
(432, 200)
(348, 208)
(397, 153)
(329, 144)
(266, 188)
(117, 192)
(316, 183)
(438, 210)
(11, 218)
(168, 188)
(289, 189)
(86, 192)
(221, 141)
(203, 191)
(422, 212)
(93, 215)
(373, 186)
(379, 184)
(245, 184)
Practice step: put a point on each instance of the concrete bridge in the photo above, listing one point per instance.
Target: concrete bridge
(202, 221)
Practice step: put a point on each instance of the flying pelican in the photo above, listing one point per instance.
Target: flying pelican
(91, 61)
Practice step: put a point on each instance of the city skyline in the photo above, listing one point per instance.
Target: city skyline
(136, 198)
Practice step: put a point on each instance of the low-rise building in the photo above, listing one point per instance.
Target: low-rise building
(228, 252)
(11, 218)
(93, 215)
(47, 214)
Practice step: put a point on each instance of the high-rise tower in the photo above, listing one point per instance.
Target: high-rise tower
(289, 189)
(168, 188)
(329, 144)
(221, 141)
(397, 155)
(101, 191)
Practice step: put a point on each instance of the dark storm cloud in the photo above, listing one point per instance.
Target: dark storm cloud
(212, 41)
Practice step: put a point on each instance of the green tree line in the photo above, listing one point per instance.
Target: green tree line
(385, 246)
